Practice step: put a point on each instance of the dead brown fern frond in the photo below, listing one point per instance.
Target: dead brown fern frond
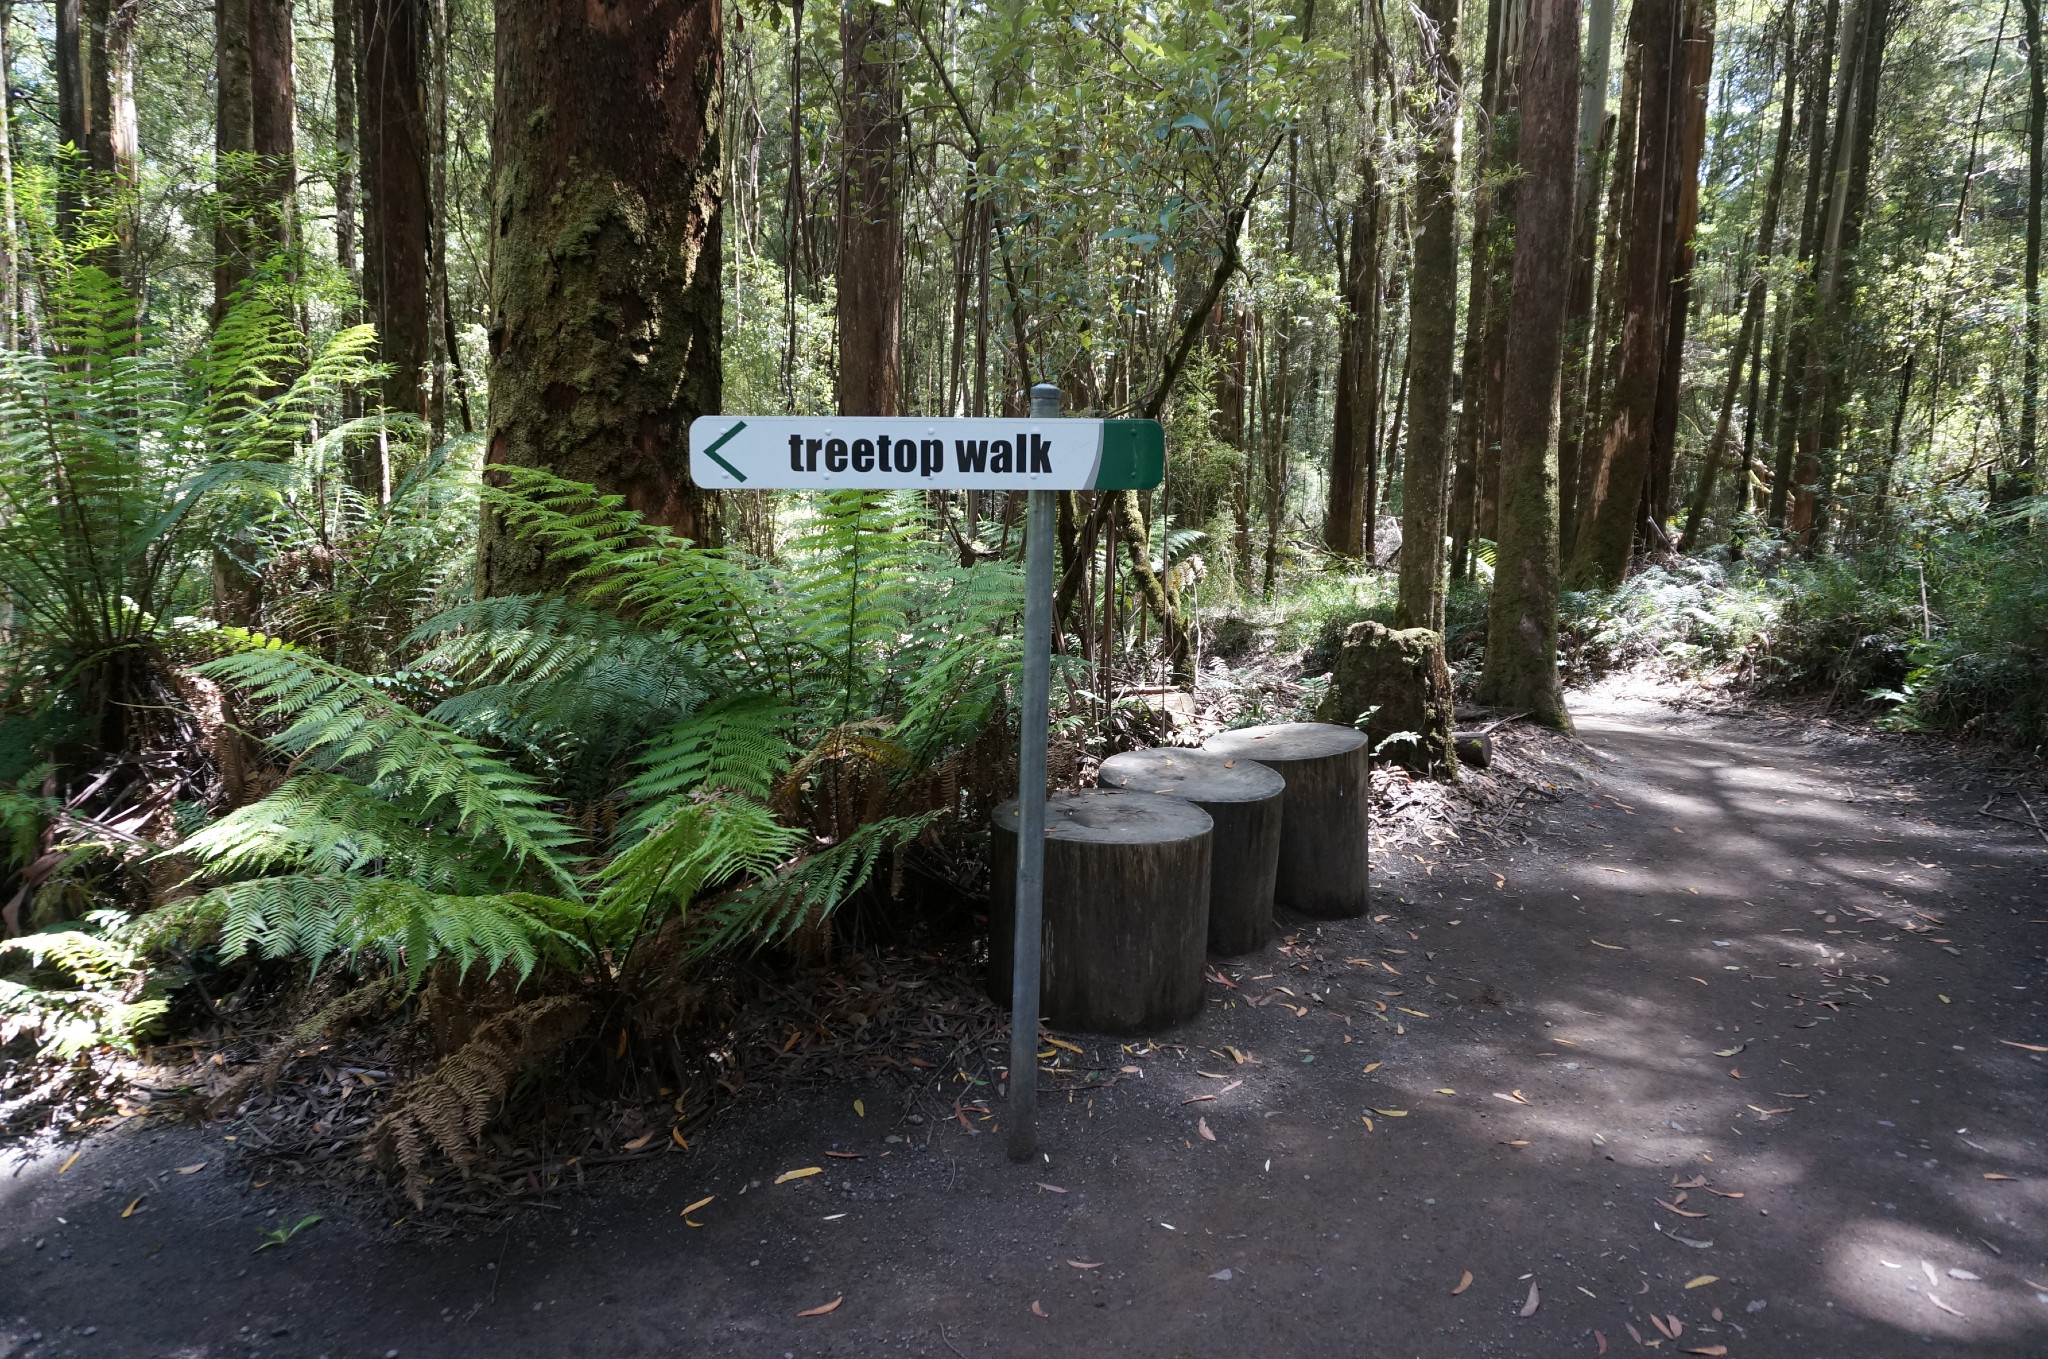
(365, 1002)
(447, 1108)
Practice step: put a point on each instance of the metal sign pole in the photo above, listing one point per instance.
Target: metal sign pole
(1033, 730)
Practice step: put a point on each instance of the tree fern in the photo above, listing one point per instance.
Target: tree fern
(349, 721)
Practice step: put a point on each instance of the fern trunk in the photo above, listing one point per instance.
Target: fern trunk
(605, 294)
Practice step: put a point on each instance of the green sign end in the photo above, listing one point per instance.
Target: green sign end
(1133, 455)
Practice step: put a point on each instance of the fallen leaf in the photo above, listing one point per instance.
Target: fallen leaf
(1050, 1188)
(704, 1202)
(1367, 1072)
(1212, 1075)
(1063, 1043)
(1464, 1283)
(1945, 1307)
(1230, 1087)
(860, 1110)
(1518, 1142)
(681, 1141)
(1085, 1264)
(1633, 1333)
(1709, 1349)
(1037, 1310)
(1674, 1208)
(621, 1049)
(76, 1154)
(831, 1306)
(844, 1155)
(1391, 1113)
(1997, 1177)
(1447, 1091)
(1724, 1194)
(192, 1169)
(1616, 947)
(1601, 1340)
(1535, 1300)
(1730, 1052)
(1682, 1240)
(1406, 1011)
(129, 1211)
(1662, 1329)
(1965, 1275)
(1515, 1098)
(1735, 1073)
(1202, 1130)
(2023, 1047)
(1703, 1281)
(1195, 1099)
(786, 1176)
(1696, 1182)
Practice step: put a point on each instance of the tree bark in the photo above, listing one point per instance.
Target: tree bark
(345, 187)
(74, 109)
(10, 244)
(1605, 360)
(272, 132)
(1814, 133)
(391, 38)
(1608, 530)
(1521, 643)
(1472, 371)
(1432, 321)
(870, 215)
(605, 297)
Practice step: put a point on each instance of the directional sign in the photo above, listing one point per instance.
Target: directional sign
(837, 453)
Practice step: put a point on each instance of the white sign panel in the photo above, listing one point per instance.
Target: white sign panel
(837, 453)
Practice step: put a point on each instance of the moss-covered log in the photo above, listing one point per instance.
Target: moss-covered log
(605, 274)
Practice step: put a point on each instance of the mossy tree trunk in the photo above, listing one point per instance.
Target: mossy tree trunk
(605, 281)
(1521, 643)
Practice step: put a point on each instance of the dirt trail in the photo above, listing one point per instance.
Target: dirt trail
(1773, 969)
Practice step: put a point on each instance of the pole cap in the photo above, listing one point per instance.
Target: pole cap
(1045, 401)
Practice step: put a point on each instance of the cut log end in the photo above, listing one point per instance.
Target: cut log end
(1197, 775)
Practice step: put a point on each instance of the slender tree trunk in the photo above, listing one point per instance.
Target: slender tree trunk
(440, 325)
(345, 15)
(1753, 309)
(234, 147)
(112, 147)
(397, 214)
(74, 107)
(605, 353)
(1472, 369)
(1506, 172)
(1432, 320)
(2030, 374)
(1604, 364)
(272, 130)
(1608, 529)
(1696, 61)
(1521, 640)
(870, 215)
(1820, 64)
(10, 241)
(1580, 350)
(1344, 527)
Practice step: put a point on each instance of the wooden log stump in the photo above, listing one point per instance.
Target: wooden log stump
(1126, 909)
(1474, 748)
(1323, 870)
(1243, 798)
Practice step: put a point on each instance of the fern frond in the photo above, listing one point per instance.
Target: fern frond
(316, 917)
(735, 743)
(344, 718)
(805, 891)
(695, 844)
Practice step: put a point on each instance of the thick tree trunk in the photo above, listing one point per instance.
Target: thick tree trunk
(1472, 369)
(1521, 643)
(1605, 361)
(74, 108)
(1820, 61)
(605, 296)
(870, 215)
(391, 38)
(1432, 321)
(1608, 526)
(1695, 66)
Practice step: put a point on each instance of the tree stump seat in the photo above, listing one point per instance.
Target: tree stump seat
(1328, 769)
(1243, 799)
(1126, 909)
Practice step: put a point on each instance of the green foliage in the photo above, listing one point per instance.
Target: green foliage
(77, 988)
